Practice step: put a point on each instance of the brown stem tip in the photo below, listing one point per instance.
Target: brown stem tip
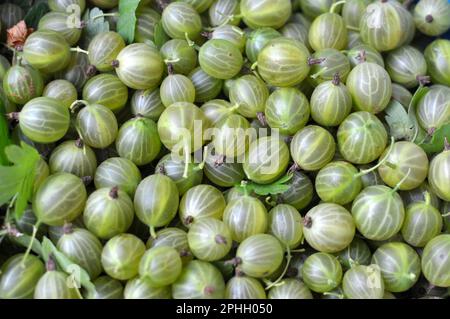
(188, 220)
(115, 64)
(313, 61)
(429, 18)
(307, 222)
(336, 79)
(220, 240)
(79, 143)
(114, 192)
(68, 228)
(91, 70)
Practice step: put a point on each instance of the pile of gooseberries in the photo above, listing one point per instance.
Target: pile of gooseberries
(227, 149)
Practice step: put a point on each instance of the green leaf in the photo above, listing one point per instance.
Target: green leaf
(399, 122)
(276, 187)
(160, 35)
(67, 265)
(95, 24)
(418, 95)
(126, 24)
(17, 180)
(437, 142)
(25, 240)
(4, 134)
(35, 14)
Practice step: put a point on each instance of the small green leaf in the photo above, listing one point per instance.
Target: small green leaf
(276, 187)
(160, 35)
(35, 14)
(271, 189)
(437, 142)
(95, 24)
(399, 122)
(17, 180)
(47, 248)
(126, 24)
(418, 95)
(68, 266)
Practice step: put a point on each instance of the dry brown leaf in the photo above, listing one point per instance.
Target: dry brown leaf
(18, 34)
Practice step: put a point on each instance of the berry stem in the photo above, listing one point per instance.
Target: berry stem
(399, 184)
(261, 118)
(79, 50)
(336, 79)
(32, 239)
(383, 161)
(112, 14)
(73, 107)
(427, 198)
(352, 28)
(205, 156)
(334, 6)
(280, 278)
(319, 73)
(114, 192)
(67, 228)
(423, 80)
(152, 232)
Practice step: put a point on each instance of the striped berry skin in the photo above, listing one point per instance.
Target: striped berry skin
(230, 139)
(22, 84)
(62, 5)
(62, 90)
(53, 285)
(175, 238)
(71, 194)
(250, 94)
(333, 62)
(245, 216)
(331, 103)
(10, 15)
(438, 62)
(177, 88)
(139, 288)
(199, 280)
(357, 253)
(106, 288)
(405, 65)
(221, 173)
(58, 22)
(399, 265)
(431, 16)
(107, 90)
(285, 223)
(73, 157)
(283, 62)
(220, 59)
(296, 31)
(44, 120)
(313, 8)
(322, 272)
(287, 109)
(352, 12)
(161, 266)
(139, 66)
(242, 287)
(76, 70)
(266, 160)
(209, 239)
(328, 31)
(47, 51)
(328, 228)
(147, 19)
(108, 212)
(290, 289)
(121, 256)
(386, 25)
(206, 86)
(201, 201)
(175, 167)
(433, 110)
(363, 282)
(103, 50)
(436, 261)
(439, 175)
(156, 200)
(300, 191)
(364, 53)
(422, 223)
(405, 157)
(378, 212)
(265, 13)
(20, 276)
(181, 55)
(338, 182)
(147, 103)
(118, 171)
(361, 138)
(98, 125)
(179, 19)
(260, 255)
(232, 34)
(138, 141)
(83, 248)
(221, 10)
(312, 148)
(257, 40)
(370, 87)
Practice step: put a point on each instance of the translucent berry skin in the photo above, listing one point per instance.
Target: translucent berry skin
(265, 13)
(58, 22)
(322, 272)
(220, 59)
(431, 16)
(438, 61)
(328, 31)
(180, 19)
(103, 50)
(436, 261)
(361, 138)
(62, 90)
(21, 84)
(242, 287)
(439, 174)
(283, 62)
(161, 266)
(107, 90)
(363, 282)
